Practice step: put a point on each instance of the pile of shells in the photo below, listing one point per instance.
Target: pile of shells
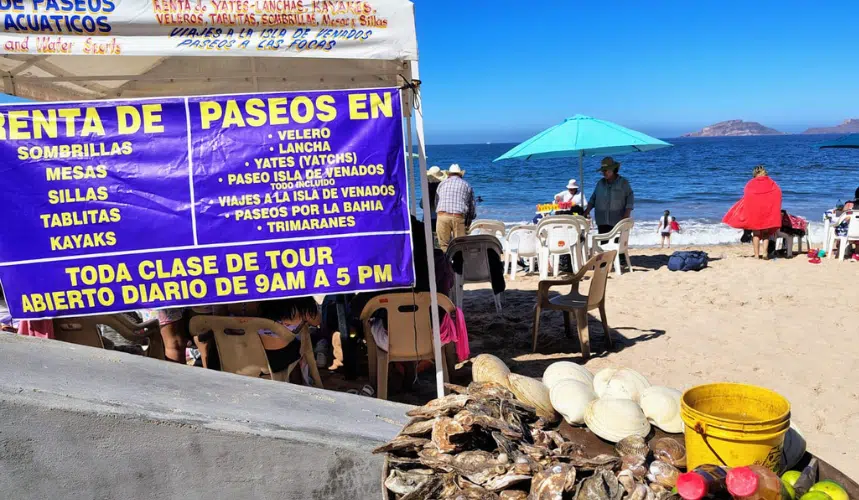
(614, 403)
(495, 440)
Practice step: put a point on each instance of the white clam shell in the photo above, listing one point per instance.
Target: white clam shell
(619, 383)
(534, 393)
(661, 406)
(615, 419)
(571, 398)
(563, 370)
(488, 368)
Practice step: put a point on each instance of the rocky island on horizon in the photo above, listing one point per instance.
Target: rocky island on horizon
(848, 126)
(733, 128)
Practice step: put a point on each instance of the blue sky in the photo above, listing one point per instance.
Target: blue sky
(503, 70)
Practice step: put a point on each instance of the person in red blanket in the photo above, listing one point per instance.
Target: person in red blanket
(759, 211)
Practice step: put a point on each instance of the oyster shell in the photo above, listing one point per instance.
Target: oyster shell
(635, 465)
(490, 390)
(441, 406)
(513, 495)
(661, 406)
(566, 370)
(632, 446)
(603, 485)
(489, 368)
(478, 466)
(430, 489)
(405, 482)
(663, 474)
(551, 483)
(615, 419)
(504, 481)
(669, 450)
(619, 383)
(443, 429)
(533, 392)
(627, 480)
(642, 492)
(490, 423)
(402, 443)
(417, 427)
(570, 398)
(597, 462)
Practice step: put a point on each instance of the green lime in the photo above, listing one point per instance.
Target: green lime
(790, 477)
(791, 493)
(831, 488)
(815, 495)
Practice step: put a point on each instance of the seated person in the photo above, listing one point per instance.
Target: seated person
(843, 216)
(854, 203)
(174, 330)
(574, 196)
(290, 313)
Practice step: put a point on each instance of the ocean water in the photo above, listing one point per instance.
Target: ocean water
(698, 180)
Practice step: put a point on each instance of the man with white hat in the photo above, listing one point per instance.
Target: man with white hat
(434, 176)
(456, 208)
(572, 194)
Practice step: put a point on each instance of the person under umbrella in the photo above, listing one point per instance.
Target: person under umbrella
(612, 199)
(572, 195)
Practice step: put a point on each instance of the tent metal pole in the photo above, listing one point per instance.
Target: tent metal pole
(410, 156)
(422, 161)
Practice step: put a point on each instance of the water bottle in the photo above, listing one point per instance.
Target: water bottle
(703, 481)
(755, 482)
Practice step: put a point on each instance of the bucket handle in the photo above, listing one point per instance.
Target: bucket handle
(699, 428)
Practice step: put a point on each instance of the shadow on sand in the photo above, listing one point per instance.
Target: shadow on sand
(509, 335)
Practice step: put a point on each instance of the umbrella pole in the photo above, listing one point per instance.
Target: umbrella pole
(582, 173)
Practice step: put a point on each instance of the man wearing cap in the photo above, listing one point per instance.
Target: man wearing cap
(455, 207)
(573, 195)
(612, 199)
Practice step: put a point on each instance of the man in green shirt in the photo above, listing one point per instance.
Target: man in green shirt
(612, 199)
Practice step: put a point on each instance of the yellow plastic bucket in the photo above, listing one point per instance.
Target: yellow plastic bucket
(734, 425)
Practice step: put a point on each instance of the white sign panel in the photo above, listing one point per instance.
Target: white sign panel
(372, 29)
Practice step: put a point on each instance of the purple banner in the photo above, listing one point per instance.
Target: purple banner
(121, 205)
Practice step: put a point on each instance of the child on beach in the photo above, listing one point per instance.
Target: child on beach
(666, 226)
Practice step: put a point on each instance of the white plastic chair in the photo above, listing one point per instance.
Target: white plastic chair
(521, 242)
(475, 263)
(787, 241)
(489, 226)
(843, 241)
(585, 231)
(559, 235)
(616, 239)
(828, 231)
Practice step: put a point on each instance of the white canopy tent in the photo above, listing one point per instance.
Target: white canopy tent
(154, 61)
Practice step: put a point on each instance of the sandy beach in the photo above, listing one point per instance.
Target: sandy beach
(785, 324)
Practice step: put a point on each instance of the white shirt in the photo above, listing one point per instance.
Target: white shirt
(565, 197)
(662, 227)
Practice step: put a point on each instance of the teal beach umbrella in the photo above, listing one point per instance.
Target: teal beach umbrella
(848, 141)
(582, 135)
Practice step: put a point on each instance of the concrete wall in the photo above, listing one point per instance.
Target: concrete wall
(77, 422)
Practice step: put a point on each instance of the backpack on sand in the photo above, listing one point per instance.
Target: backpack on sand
(688, 261)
